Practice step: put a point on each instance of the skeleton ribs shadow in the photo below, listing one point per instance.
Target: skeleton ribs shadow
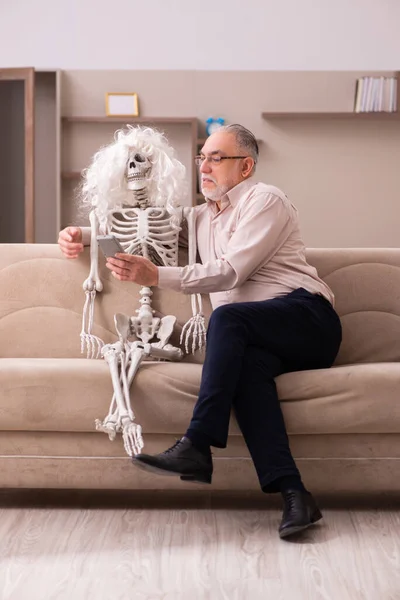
(146, 220)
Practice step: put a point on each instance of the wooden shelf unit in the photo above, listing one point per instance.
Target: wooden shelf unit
(29, 168)
(331, 115)
(339, 115)
(71, 174)
(132, 120)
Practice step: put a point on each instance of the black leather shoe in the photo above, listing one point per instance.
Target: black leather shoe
(299, 512)
(181, 459)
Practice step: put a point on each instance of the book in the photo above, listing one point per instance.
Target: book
(376, 94)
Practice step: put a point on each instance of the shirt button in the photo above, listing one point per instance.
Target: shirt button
(228, 291)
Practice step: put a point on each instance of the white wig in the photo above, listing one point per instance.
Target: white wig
(104, 186)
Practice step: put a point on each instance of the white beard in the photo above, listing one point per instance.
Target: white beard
(215, 194)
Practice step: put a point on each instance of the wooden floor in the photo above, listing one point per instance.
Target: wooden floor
(206, 554)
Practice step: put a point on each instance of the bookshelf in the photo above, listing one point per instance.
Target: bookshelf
(351, 114)
(132, 121)
(388, 116)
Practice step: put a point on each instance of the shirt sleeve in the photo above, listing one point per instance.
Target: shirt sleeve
(264, 224)
(86, 233)
(183, 235)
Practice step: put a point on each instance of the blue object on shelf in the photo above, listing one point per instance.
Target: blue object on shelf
(213, 124)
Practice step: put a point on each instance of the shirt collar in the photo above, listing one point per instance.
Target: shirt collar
(241, 188)
(233, 196)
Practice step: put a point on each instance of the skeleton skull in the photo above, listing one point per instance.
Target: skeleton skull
(138, 170)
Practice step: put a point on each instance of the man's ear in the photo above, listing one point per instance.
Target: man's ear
(248, 165)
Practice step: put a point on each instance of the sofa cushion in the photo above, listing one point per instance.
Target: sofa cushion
(348, 399)
(69, 394)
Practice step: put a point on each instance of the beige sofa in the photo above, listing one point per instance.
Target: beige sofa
(344, 422)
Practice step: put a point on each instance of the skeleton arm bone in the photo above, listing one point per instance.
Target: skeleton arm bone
(195, 328)
(91, 285)
(93, 282)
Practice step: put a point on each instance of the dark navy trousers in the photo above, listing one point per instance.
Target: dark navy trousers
(248, 345)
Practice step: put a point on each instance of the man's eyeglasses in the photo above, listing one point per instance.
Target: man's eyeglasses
(215, 160)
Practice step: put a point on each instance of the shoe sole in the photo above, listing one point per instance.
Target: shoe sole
(192, 477)
(317, 516)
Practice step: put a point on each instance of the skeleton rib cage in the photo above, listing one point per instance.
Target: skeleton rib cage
(147, 233)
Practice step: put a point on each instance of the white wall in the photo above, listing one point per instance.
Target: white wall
(193, 34)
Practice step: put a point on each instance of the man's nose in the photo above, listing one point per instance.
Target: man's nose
(205, 166)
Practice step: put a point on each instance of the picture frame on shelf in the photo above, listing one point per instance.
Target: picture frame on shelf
(122, 104)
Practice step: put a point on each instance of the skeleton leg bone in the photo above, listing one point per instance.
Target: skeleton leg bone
(131, 431)
(112, 423)
(120, 417)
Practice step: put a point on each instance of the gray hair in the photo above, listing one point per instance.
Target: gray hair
(245, 140)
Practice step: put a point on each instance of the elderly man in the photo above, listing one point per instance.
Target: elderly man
(272, 314)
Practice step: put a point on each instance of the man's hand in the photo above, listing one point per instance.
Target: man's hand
(70, 241)
(126, 267)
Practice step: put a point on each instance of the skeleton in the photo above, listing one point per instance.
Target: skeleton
(133, 188)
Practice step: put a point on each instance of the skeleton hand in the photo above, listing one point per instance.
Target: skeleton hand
(70, 242)
(127, 267)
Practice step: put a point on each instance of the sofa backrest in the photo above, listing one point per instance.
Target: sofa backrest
(366, 284)
(41, 302)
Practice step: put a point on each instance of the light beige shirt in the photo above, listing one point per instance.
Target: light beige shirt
(250, 250)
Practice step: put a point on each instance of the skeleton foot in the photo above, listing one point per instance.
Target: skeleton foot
(132, 437)
(108, 427)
